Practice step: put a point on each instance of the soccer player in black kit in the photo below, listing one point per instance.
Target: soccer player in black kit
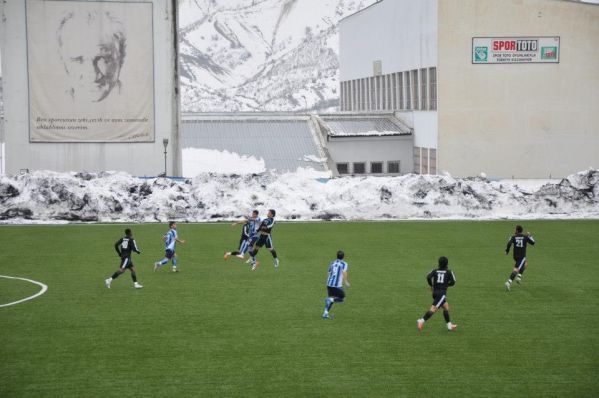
(519, 240)
(124, 247)
(439, 280)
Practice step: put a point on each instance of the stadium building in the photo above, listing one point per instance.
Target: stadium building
(509, 88)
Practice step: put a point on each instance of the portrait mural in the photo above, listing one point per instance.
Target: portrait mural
(91, 75)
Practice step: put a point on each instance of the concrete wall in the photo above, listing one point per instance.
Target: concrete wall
(135, 158)
(424, 124)
(373, 149)
(400, 33)
(525, 120)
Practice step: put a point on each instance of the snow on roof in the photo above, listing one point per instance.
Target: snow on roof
(356, 126)
(283, 144)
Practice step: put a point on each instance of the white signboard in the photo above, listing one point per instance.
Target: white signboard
(91, 73)
(515, 50)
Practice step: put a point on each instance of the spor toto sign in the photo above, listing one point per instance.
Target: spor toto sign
(515, 50)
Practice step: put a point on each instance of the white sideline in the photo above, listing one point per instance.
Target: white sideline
(44, 288)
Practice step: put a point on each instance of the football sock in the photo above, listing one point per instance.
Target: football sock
(274, 253)
(512, 276)
(174, 262)
(427, 315)
(133, 276)
(446, 316)
(115, 275)
(328, 304)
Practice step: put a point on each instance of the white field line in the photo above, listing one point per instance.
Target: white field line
(42, 291)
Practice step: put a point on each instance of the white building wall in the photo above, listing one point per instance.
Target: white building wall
(402, 34)
(373, 149)
(521, 120)
(135, 158)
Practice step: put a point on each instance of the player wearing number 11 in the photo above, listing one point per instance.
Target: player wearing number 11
(439, 280)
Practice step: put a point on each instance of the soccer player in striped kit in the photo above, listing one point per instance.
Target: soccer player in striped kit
(124, 247)
(439, 280)
(170, 239)
(519, 240)
(249, 235)
(337, 277)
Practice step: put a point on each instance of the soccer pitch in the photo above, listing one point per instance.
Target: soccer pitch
(218, 329)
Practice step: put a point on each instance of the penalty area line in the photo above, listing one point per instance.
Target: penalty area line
(42, 291)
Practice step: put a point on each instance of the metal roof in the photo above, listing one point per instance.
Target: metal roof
(284, 143)
(363, 126)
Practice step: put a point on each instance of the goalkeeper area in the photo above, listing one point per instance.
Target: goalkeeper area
(218, 329)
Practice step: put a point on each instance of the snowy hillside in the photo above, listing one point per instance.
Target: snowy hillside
(261, 55)
(52, 197)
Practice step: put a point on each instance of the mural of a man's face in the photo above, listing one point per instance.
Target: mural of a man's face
(92, 48)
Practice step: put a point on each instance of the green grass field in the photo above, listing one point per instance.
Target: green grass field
(218, 329)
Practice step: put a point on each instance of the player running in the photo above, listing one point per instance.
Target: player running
(439, 280)
(265, 239)
(249, 235)
(124, 247)
(170, 239)
(519, 240)
(337, 277)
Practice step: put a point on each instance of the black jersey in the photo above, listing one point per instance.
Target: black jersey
(246, 231)
(266, 226)
(440, 279)
(519, 241)
(125, 246)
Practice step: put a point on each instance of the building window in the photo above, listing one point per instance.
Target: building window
(400, 90)
(432, 161)
(432, 82)
(408, 90)
(423, 89)
(390, 92)
(394, 91)
(376, 167)
(415, 89)
(343, 168)
(393, 167)
(372, 94)
(359, 168)
(363, 93)
(417, 160)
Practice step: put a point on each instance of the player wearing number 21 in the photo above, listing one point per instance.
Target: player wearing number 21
(439, 280)
(519, 240)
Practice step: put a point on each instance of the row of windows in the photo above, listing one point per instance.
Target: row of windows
(375, 167)
(409, 90)
(425, 160)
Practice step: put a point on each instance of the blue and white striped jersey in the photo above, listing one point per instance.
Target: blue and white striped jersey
(254, 224)
(336, 269)
(171, 237)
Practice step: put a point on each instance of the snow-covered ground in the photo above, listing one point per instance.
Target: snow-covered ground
(49, 197)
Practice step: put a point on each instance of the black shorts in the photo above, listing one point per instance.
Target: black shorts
(520, 263)
(335, 292)
(439, 298)
(169, 254)
(126, 262)
(264, 240)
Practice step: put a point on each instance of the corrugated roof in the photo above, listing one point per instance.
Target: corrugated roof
(355, 126)
(284, 145)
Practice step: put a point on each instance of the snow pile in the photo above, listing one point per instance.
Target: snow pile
(196, 161)
(118, 197)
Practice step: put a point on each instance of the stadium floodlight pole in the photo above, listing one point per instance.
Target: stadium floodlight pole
(165, 143)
